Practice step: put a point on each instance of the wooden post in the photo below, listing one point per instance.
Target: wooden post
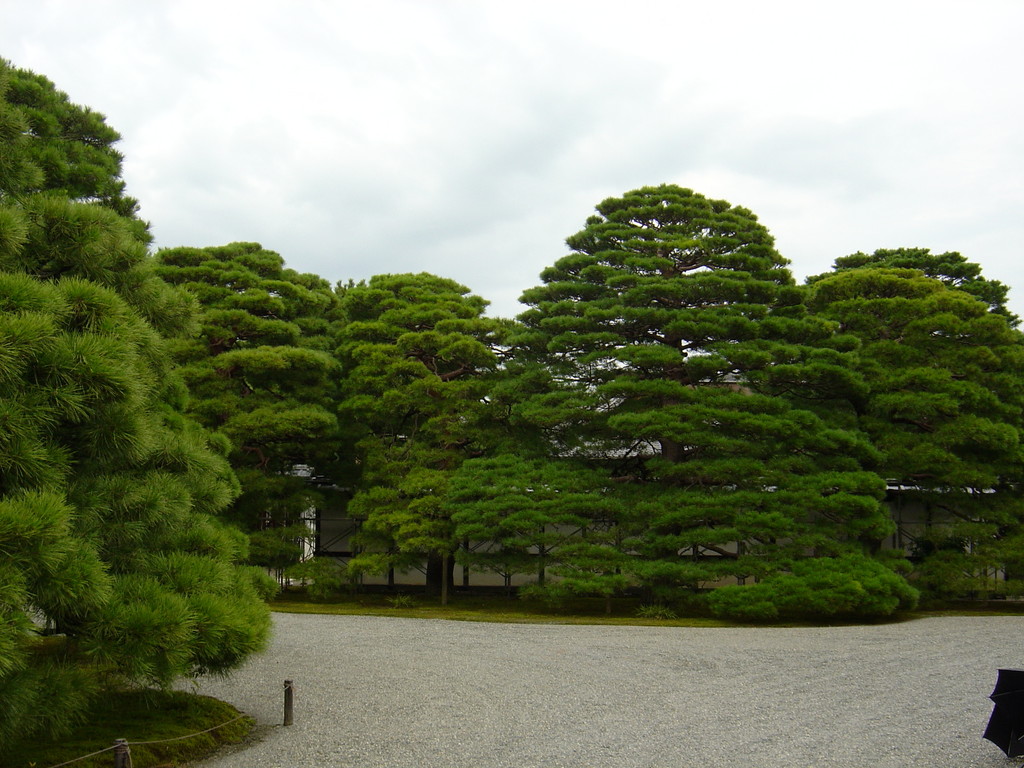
(289, 713)
(122, 755)
(444, 578)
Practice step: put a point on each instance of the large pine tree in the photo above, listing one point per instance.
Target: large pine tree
(944, 404)
(107, 491)
(660, 329)
(261, 373)
(418, 357)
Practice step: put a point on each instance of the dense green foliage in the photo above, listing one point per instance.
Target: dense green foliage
(944, 406)
(260, 374)
(662, 332)
(673, 414)
(538, 516)
(951, 268)
(821, 587)
(107, 491)
(165, 720)
(61, 147)
(417, 355)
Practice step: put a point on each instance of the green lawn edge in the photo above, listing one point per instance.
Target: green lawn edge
(140, 716)
(584, 611)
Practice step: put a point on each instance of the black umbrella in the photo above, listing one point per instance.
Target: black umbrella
(1006, 726)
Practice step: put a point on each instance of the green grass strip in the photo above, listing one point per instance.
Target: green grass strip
(161, 718)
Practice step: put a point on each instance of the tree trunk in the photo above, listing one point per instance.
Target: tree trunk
(440, 570)
(445, 578)
(671, 450)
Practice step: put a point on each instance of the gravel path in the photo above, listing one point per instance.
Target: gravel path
(376, 692)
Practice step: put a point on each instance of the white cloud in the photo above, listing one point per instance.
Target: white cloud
(469, 139)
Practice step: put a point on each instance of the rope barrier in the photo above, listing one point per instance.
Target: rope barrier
(145, 743)
(123, 756)
(83, 757)
(180, 738)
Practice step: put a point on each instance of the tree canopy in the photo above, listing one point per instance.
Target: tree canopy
(115, 568)
(418, 357)
(953, 269)
(661, 330)
(60, 147)
(261, 373)
(944, 407)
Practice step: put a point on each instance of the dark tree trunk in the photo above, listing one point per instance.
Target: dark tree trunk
(671, 450)
(440, 571)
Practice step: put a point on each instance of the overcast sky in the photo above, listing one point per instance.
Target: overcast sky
(469, 139)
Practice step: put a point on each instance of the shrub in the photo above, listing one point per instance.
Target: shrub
(325, 576)
(656, 611)
(852, 586)
(400, 601)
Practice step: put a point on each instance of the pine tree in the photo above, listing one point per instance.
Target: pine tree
(944, 406)
(539, 517)
(107, 492)
(418, 357)
(63, 147)
(661, 330)
(261, 374)
(951, 268)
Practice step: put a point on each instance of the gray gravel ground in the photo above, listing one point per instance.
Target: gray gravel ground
(376, 692)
